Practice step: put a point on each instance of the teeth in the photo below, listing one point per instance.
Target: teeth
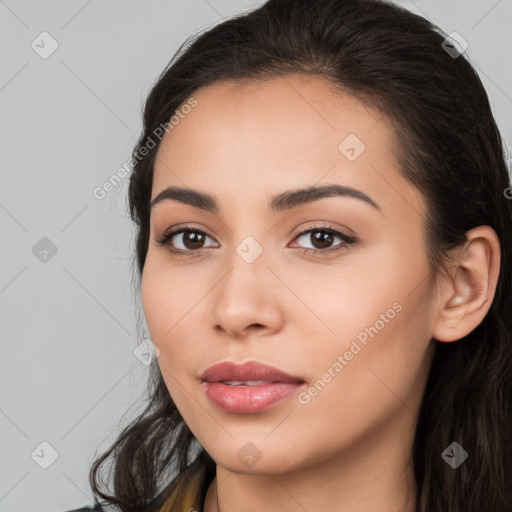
(245, 382)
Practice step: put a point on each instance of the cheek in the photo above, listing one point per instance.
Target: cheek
(358, 295)
(165, 312)
(378, 314)
(167, 295)
(171, 301)
(359, 388)
(154, 301)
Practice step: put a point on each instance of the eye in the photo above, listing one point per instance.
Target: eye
(189, 241)
(183, 240)
(322, 237)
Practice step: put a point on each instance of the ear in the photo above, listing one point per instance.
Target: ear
(466, 295)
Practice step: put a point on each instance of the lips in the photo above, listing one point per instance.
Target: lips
(247, 372)
(249, 387)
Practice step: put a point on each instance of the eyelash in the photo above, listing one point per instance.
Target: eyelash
(167, 237)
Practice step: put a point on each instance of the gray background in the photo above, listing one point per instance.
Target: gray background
(67, 124)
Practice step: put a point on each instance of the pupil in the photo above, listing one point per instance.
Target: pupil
(193, 240)
(323, 238)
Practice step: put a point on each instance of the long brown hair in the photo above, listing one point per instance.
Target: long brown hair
(448, 145)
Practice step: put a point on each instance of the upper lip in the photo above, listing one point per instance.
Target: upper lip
(251, 370)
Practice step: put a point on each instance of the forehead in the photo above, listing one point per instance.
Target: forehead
(278, 134)
(296, 112)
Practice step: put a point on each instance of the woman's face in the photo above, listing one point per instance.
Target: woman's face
(353, 320)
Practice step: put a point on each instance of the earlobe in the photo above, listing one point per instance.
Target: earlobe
(467, 294)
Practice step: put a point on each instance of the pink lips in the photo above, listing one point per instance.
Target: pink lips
(245, 399)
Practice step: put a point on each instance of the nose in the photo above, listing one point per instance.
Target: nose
(247, 300)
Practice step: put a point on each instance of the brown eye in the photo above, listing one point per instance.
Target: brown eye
(193, 239)
(184, 240)
(321, 239)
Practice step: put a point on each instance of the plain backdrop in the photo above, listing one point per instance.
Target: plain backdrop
(68, 122)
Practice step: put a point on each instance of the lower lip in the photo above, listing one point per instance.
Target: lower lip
(249, 399)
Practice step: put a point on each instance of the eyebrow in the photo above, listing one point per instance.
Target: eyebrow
(278, 203)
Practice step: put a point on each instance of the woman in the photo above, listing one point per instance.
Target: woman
(324, 254)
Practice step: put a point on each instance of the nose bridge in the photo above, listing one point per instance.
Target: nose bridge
(243, 295)
(247, 269)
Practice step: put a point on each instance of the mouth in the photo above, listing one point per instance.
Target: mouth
(249, 373)
(246, 382)
(248, 388)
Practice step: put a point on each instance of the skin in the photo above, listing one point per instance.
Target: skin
(349, 447)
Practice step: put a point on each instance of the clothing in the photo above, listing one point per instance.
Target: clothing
(185, 493)
(188, 493)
